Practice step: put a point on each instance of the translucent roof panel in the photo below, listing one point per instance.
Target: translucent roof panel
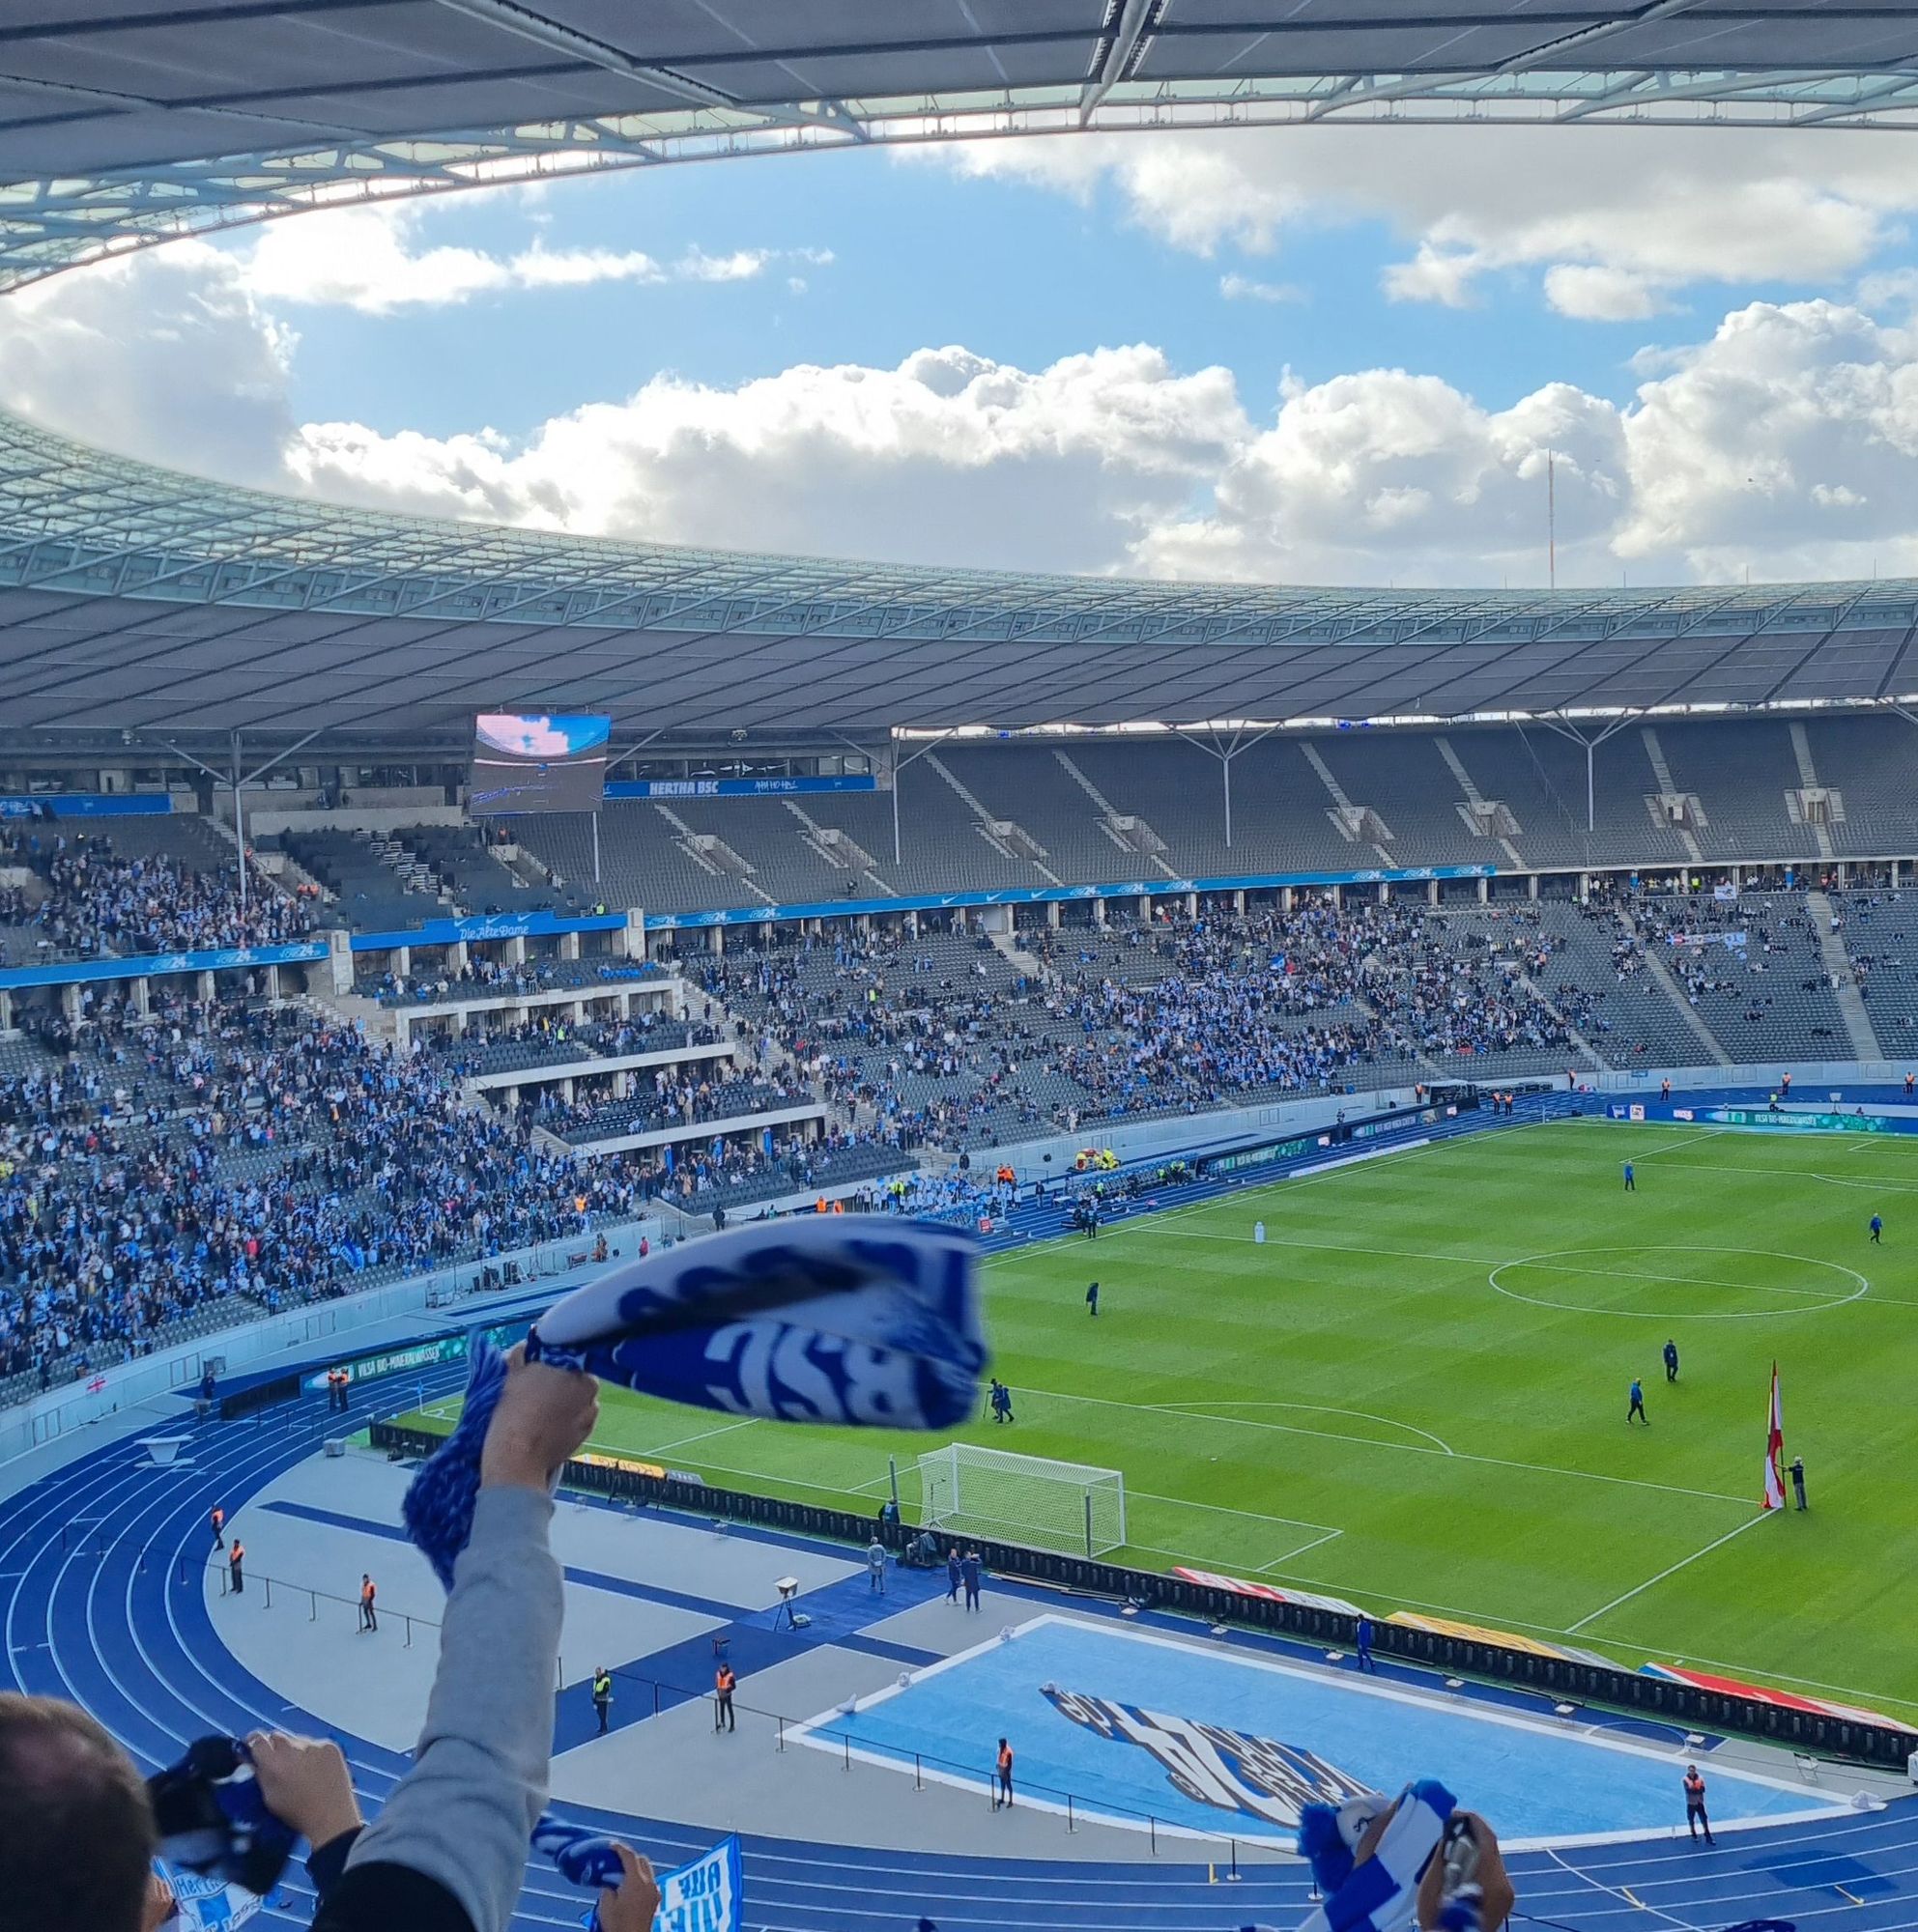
(136, 599)
(128, 121)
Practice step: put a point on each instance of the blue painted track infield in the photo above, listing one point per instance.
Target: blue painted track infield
(1145, 1727)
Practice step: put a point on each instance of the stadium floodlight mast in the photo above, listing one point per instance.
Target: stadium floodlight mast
(1225, 752)
(238, 779)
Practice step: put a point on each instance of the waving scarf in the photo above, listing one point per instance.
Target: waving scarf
(866, 1320)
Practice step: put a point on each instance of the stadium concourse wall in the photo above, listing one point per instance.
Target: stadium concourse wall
(273, 1338)
(1191, 1136)
(1562, 1677)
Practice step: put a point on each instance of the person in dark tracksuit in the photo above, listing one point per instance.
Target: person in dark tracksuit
(1092, 1300)
(1362, 1637)
(1671, 1361)
(1798, 1478)
(953, 1575)
(1636, 1408)
(969, 1575)
(1695, 1813)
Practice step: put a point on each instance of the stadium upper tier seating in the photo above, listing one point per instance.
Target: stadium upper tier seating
(1032, 815)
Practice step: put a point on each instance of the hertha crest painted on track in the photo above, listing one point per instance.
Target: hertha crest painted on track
(1228, 1770)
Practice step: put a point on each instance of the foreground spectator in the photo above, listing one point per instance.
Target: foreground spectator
(448, 1851)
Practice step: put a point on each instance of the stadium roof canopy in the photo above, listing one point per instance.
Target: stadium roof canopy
(140, 602)
(123, 122)
(135, 599)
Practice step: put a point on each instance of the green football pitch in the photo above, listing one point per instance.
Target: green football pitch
(1412, 1394)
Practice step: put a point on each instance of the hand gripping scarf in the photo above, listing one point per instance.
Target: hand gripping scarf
(1381, 1894)
(1377, 1895)
(862, 1319)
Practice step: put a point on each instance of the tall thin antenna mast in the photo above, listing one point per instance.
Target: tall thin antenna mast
(1551, 520)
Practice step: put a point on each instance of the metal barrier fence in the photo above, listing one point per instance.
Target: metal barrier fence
(1569, 1679)
(659, 1694)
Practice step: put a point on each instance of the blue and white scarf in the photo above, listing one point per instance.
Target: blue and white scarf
(1380, 1894)
(860, 1319)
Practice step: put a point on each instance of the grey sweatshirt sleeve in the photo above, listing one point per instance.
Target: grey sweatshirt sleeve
(463, 1814)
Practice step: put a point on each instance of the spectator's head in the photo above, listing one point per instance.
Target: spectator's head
(77, 1833)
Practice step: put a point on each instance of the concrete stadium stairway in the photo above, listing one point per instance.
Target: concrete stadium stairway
(1661, 975)
(1578, 1039)
(1858, 1027)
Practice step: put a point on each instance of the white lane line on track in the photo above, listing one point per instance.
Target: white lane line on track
(1630, 1900)
(1671, 1569)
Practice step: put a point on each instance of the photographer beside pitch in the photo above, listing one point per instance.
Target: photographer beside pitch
(448, 1851)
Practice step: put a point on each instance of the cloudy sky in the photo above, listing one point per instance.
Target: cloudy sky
(1329, 355)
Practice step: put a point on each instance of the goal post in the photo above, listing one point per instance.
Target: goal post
(1073, 1508)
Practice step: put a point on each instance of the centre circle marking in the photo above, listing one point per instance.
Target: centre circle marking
(1786, 1297)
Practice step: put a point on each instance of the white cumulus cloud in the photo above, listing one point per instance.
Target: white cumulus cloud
(1783, 440)
(373, 260)
(1668, 206)
(1235, 287)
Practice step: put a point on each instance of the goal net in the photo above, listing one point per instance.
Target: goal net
(1071, 1507)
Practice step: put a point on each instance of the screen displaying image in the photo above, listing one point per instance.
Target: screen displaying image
(540, 761)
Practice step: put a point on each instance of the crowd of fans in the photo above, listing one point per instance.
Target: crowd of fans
(91, 899)
(152, 1165)
(947, 1043)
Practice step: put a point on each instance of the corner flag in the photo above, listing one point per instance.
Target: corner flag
(1774, 1451)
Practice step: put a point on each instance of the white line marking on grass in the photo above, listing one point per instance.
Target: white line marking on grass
(1293, 1555)
(1690, 1139)
(1798, 1173)
(1312, 1408)
(1403, 1448)
(1336, 1248)
(725, 1429)
(1671, 1569)
(1226, 1509)
(1253, 1192)
(1548, 1263)
(1673, 1280)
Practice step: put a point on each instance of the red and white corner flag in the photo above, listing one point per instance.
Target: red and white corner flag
(1774, 1451)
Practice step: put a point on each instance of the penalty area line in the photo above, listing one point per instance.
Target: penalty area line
(1671, 1569)
(1691, 1139)
(1293, 1555)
